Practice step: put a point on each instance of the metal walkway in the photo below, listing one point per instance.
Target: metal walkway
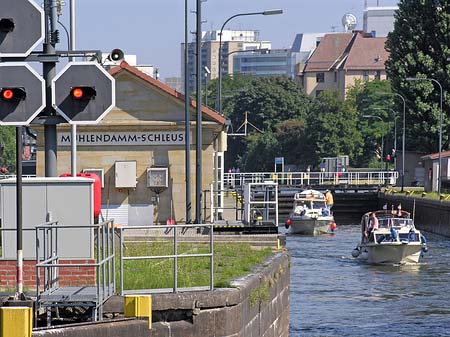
(98, 288)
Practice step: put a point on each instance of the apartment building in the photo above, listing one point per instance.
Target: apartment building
(342, 58)
(233, 42)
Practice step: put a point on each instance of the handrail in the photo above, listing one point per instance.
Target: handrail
(312, 178)
(175, 256)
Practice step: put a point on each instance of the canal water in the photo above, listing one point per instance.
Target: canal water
(332, 294)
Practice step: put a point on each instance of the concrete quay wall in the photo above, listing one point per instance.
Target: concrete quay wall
(256, 306)
(430, 215)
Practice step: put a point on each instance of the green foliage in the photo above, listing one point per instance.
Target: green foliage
(419, 47)
(332, 128)
(260, 153)
(259, 294)
(269, 102)
(374, 98)
(8, 145)
(231, 260)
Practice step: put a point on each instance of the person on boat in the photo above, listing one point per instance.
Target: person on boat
(329, 199)
(373, 225)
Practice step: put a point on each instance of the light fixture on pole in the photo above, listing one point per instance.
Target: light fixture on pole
(207, 72)
(395, 130)
(440, 126)
(219, 93)
(403, 132)
(382, 137)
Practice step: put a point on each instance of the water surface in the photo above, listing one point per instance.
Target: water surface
(333, 294)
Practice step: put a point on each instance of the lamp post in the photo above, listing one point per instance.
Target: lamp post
(266, 12)
(395, 129)
(207, 72)
(382, 137)
(440, 125)
(403, 132)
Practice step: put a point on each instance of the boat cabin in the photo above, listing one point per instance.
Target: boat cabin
(392, 226)
(309, 201)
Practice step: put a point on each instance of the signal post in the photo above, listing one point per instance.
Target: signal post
(83, 92)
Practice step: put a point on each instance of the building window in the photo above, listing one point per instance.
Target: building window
(335, 76)
(365, 75)
(320, 77)
(378, 75)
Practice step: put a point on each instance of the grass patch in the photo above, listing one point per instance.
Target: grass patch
(231, 260)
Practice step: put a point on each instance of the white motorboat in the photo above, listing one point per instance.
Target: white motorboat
(395, 241)
(310, 214)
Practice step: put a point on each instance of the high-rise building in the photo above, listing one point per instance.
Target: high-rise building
(233, 41)
(379, 21)
(274, 62)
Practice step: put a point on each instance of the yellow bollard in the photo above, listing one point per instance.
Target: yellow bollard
(138, 306)
(16, 321)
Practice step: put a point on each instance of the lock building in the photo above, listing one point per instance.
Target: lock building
(138, 151)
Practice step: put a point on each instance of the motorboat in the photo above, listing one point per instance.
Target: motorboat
(395, 241)
(310, 214)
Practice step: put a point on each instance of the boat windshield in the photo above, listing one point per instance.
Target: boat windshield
(303, 205)
(395, 222)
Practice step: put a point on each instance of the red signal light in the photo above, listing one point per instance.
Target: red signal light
(77, 93)
(7, 94)
(12, 94)
(83, 93)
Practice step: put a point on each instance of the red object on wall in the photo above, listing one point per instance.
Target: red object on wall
(97, 190)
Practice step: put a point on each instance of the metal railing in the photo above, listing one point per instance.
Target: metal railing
(372, 178)
(47, 260)
(175, 256)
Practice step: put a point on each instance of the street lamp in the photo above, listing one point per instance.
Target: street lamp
(440, 124)
(267, 12)
(403, 133)
(207, 72)
(382, 137)
(395, 129)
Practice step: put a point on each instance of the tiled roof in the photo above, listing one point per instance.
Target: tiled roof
(444, 154)
(367, 53)
(329, 51)
(124, 66)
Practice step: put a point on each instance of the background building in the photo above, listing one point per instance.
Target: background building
(341, 59)
(379, 21)
(232, 42)
(273, 62)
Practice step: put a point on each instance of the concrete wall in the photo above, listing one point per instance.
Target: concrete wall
(258, 306)
(430, 215)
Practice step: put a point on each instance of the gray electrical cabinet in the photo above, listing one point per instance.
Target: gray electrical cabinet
(68, 200)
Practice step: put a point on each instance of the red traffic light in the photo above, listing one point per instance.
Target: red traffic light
(83, 93)
(388, 157)
(12, 94)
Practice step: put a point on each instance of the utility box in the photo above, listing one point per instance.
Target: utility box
(68, 200)
(158, 177)
(125, 174)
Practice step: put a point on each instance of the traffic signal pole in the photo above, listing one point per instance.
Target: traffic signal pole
(49, 71)
(19, 235)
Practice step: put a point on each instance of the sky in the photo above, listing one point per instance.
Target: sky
(154, 29)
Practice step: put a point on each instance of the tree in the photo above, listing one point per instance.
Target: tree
(419, 46)
(332, 128)
(260, 153)
(367, 99)
(268, 102)
(8, 148)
